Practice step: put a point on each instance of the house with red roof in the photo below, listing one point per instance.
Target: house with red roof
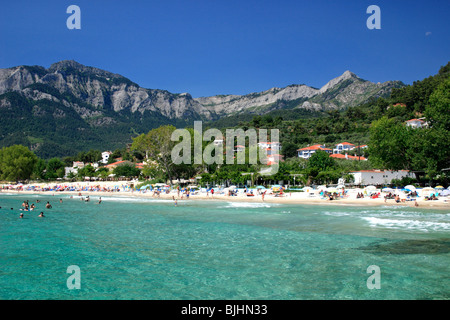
(347, 157)
(307, 152)
(113, 165)
(343, 146)
(416, 123)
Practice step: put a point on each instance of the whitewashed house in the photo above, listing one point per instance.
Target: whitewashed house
(344, 146)
(105, 157)
(307, 152)
(416, 123)
(68, 170)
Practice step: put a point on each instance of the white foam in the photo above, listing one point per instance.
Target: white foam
(408, 224)
(336, 214)
(248, 205)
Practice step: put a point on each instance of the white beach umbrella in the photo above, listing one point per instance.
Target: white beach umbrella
(410, 188)
(425, 192)
(370, 188)
(387, 190)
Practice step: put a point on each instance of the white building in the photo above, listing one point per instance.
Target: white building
(307, 152)
(69, 170)
(105, 157)
(344, 146)
(78, 164)
(378, 177)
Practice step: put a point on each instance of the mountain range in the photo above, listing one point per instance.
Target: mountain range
(70, 107)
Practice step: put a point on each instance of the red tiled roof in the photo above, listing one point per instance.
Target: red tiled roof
(348, 157)
(115, 163)
(415, 120)
(346, 144)
(137, 165)
(314, 147)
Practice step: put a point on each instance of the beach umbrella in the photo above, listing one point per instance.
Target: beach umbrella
(439, 187)
(410, 188)
(260, 187)
(445, 193)
(331, 189)
(370, 188)
(387, 190)
(427, 191)
(276, 187)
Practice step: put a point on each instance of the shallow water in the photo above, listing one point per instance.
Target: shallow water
(129, 248)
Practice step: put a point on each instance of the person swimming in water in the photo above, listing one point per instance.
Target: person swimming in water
(41, 215)
(48, 205)
(21, 215)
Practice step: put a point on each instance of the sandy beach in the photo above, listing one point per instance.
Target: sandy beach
(287, 198)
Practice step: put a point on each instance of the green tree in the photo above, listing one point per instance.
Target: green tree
(437, 110)
(157, 146)
(388, 144)
(53, 169)
(289, 150)
(39, 169)
(126, 170)
(87, 171)
(321, 167)
(16, 163)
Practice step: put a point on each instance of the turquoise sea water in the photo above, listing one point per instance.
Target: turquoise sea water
(129, 248)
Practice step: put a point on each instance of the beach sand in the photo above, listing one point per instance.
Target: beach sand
(288, 198)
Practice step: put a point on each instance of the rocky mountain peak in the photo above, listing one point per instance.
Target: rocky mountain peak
(345, 76)
(61, 65)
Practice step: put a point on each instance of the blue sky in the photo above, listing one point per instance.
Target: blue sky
(209, 47)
